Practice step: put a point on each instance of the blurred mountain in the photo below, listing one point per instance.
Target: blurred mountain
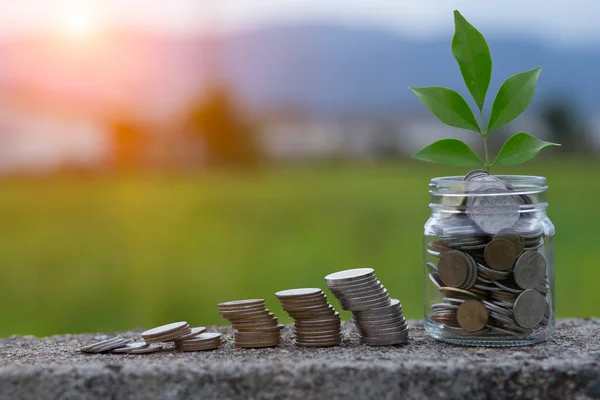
(317, 69)
(332, 69)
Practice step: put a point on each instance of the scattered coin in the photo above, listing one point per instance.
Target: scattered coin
(105, 345)
(128, 348)
(152, 348)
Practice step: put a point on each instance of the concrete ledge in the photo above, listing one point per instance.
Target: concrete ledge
(567, 367)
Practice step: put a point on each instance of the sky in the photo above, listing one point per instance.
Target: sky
(559, 22)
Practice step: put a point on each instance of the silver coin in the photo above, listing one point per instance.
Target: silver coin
(394, 304)
(495, 330)
(90, 348)
(530, 270)
(106, 345)
(115, 345)
(436, 280)
(130, 347)
(369, 331)
(153, 348)
(492, 272)
(386, 340)
(493, 213)
(452, 300)
(350, 275)
(195, 332)
(529, 308)
(509, 286)
(475, 173)
(497, 309)
(294, 293)
(164, 329)
(501, 318)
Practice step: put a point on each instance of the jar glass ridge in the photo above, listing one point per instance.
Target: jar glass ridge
(489, 261)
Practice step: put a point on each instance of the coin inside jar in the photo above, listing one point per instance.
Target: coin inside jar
(500, 254)
(453, 269)
(472, 315)
(530, 270)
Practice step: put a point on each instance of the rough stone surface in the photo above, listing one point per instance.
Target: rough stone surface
(566, 367)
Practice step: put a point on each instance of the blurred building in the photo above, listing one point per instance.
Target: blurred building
(42, 140)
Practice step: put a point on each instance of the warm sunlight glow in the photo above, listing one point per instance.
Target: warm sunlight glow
(79, 25)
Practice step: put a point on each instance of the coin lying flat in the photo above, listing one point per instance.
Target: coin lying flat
(472, 315)
(106, 345)
(128, 348)
(153, 348)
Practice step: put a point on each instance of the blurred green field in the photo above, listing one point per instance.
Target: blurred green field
(111, 254)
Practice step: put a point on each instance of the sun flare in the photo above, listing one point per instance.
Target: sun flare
(79, 25)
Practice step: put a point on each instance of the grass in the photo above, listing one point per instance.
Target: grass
(110, 254)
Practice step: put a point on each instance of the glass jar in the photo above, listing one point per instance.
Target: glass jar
(489, 261)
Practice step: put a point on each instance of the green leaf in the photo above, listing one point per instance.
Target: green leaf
(448, 106)
(519, 148)
(513, 97)
(449, 152)
(472, 53)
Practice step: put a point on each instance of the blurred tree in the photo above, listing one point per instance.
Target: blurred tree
(128, 143)
(564, 125)
(228, 138)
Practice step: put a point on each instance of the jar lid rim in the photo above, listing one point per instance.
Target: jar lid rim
(531, 181)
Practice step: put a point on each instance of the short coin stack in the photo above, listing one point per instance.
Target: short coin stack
(316, 323)
(488, 262)
(199, 342)
(379, 319)
(254, 324)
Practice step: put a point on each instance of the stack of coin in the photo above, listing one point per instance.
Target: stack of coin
(488, 264)
(200, 342)
(316, 323)
(254, 324)
(379, 319)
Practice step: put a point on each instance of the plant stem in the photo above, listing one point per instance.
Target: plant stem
(484, 135)
(487, 158)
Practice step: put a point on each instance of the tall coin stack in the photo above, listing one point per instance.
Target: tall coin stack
(254, 324)
(316, 323)
(379, 319)
(488, 264)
